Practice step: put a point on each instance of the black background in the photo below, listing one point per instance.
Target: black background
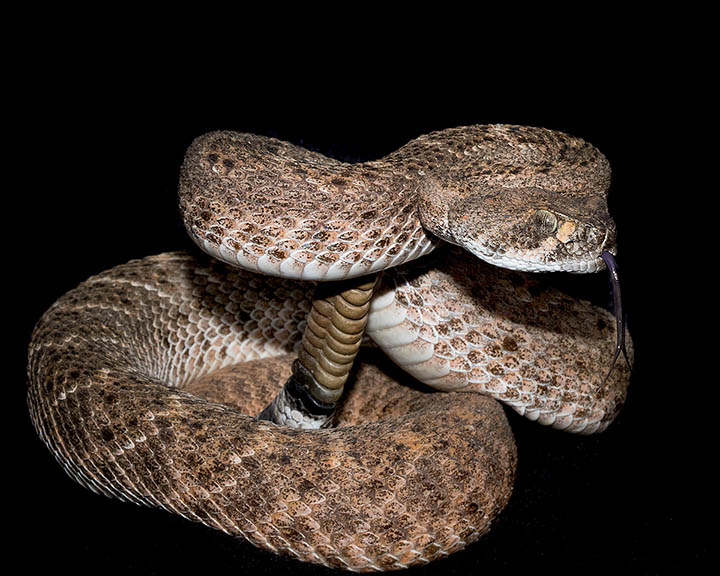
(97, 172)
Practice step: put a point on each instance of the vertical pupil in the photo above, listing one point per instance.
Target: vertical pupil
(546, 220)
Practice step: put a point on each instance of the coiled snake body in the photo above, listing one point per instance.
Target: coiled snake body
(145, 380)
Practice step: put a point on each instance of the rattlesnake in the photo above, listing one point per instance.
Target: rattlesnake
(145, 380)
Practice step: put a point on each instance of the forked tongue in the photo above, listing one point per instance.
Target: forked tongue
(609, 260)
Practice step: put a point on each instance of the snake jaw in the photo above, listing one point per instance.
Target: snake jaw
(532, 261)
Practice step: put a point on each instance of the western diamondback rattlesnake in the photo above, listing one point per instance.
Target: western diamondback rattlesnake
(145, 380)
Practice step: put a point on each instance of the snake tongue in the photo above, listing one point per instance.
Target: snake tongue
(609, 260)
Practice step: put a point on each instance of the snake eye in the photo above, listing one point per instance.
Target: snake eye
(546, 222)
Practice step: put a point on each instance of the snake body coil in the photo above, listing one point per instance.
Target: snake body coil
(145, 380)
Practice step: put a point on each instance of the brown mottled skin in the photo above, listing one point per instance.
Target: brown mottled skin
(276, 208)
(129, 388)
(453, 322)
(143, 380)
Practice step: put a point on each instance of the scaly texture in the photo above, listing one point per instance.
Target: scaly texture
(143, 381)
(453, 323)
(409, 477)
(275, 208)
(517, 196)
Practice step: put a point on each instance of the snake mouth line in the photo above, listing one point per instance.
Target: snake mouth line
(521, 264)
(528, 260)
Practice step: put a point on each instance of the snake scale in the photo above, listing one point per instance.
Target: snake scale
(145, 380)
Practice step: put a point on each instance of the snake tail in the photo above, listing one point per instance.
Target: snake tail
(335, 329)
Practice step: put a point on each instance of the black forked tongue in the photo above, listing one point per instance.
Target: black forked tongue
(619, 316)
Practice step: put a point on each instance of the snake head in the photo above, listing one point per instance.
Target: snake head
(521, 227)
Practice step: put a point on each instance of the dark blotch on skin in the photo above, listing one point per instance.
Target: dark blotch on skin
(509, 344)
